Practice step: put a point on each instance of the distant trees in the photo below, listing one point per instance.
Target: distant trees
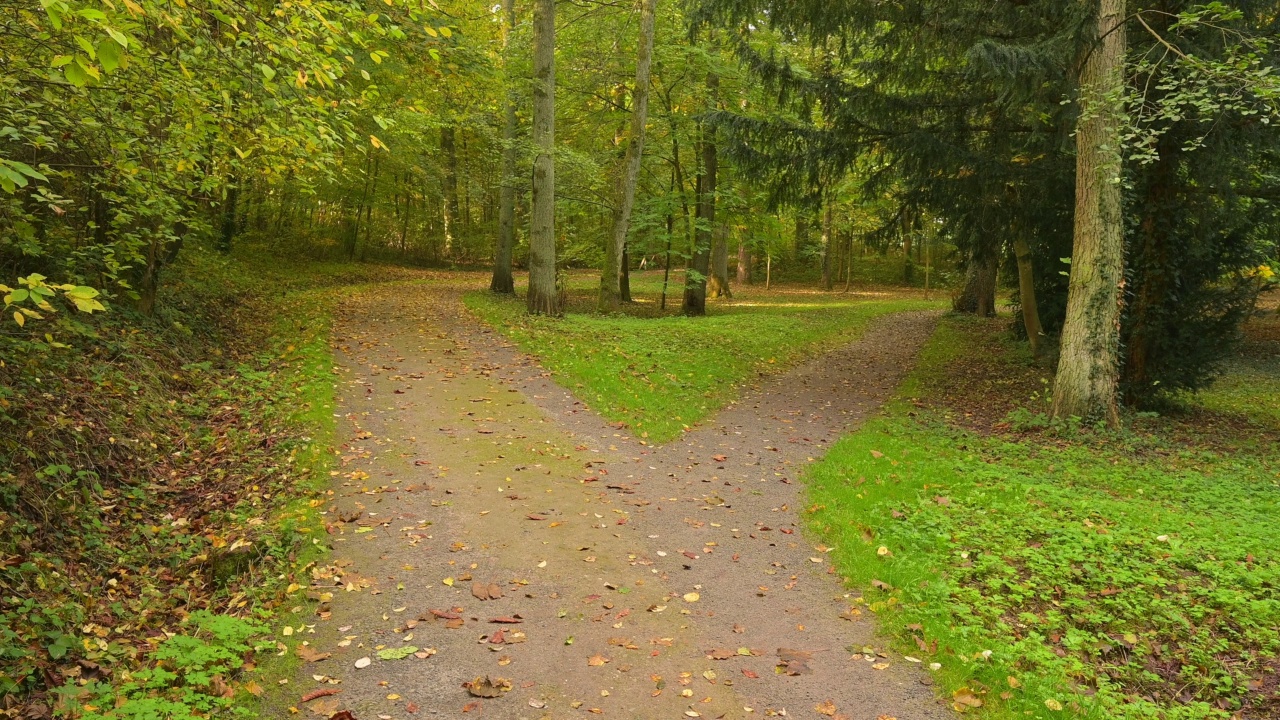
(991, 117)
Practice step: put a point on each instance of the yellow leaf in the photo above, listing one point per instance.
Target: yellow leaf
(19, 318)
(448, 581)
(1053, 704)
(692, 597)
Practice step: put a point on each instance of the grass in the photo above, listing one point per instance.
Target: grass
(661, 375)
(1099, 576)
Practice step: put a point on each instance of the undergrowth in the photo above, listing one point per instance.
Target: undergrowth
(158, 484)
(1127, 575)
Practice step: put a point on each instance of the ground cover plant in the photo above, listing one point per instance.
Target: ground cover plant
(198, 518)
(661, 375)
(1069, 574)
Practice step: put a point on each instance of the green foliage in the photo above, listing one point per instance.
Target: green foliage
(1121, 576)
(187, 679)
(180, 452)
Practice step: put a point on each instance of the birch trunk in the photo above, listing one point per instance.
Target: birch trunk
(1088, 367)
(543, 298)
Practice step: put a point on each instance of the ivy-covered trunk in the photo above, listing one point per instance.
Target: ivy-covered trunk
(1088, 367)
(543, 298)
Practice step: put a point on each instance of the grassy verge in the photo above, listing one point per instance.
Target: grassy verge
(162, 501)
(1121, 576)
(661, 375)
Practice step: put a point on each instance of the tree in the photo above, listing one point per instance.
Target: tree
(1088, 369)
(543, 298)
(502, 281)
(615, 247)
(695, 288)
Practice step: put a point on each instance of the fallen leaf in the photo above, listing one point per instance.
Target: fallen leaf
(597, 660)
(488, 686)
(309, 654)
(399, 653)
(965, 699)
(692, 597)
(364, 662)
(322, 692)
(827, 708)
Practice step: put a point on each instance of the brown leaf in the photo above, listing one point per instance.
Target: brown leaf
(480, 591)
(597, 660)
(508, 620)
(719, 458)
(750, 674)
(324, 708)
(497, 638)
(322, 692)
(720, 654)
(881, 585)
(344, 715)
(309, 654)
(495, 592)
(826, 707)
(411, 708)
(942, 500)
(964, 699)
(535, 516)
(488, 686)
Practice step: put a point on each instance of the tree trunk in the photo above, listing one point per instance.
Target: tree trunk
(695, 288)
(1088, 367)
(828, 246)
(543, 298)
(979, 294)
(228, 232)
(449, 146)
(502, 281)
(615, 248)
(1026, 296)
(744, 263)
(624, 278)
(718, 282)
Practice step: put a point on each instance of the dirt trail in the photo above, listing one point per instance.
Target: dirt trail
(626, 564)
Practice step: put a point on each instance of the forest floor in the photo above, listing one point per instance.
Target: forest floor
(490, 529)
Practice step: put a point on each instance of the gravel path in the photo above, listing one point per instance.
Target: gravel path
(644, 581)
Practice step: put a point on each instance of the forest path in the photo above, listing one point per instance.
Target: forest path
(626, 564)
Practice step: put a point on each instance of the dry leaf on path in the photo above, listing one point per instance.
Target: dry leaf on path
(309, 654)
(488, 686)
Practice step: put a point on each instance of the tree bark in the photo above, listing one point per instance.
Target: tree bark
(1027, 296)
(615, 248)
(228, 232)
(744, 262)
(979, 294)
(1088, 368)
(828, 246)
(718, 281)
(449, 146)
(543, 298)
(502, 281)
(695, 289)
